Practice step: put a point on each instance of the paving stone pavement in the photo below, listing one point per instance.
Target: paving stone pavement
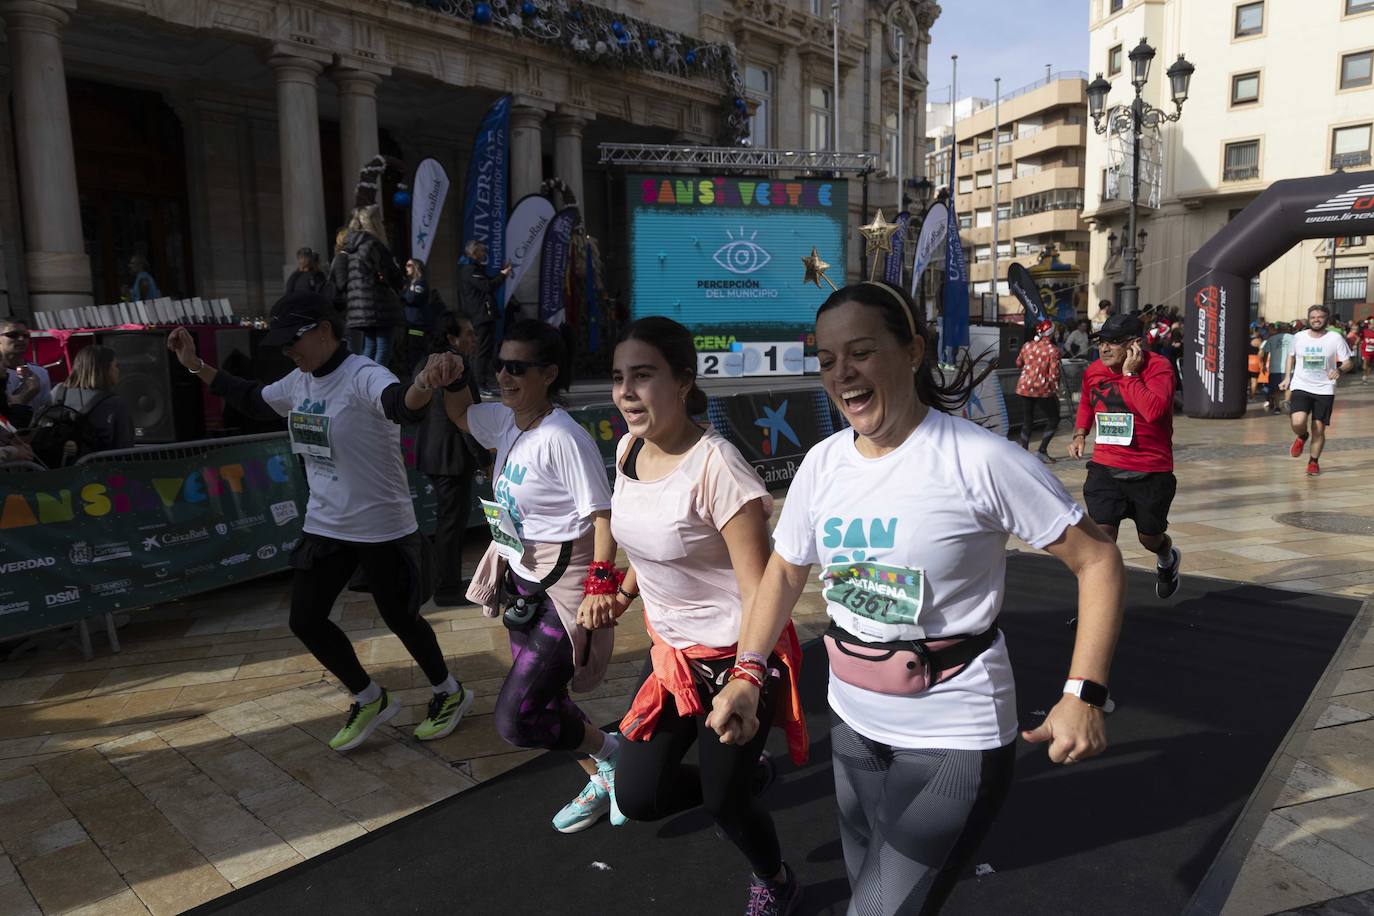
(195, 761)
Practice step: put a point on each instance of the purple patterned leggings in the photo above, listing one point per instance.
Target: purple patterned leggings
(534, 708)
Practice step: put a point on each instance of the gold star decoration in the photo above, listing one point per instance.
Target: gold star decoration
(815, 269)
(878, 234)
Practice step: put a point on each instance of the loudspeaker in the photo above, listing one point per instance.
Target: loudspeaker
(1000, 341)
(240, 351)
(164, 399)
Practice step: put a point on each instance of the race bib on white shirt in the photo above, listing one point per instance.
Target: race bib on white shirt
(1115, 428)
(886, 594)
(503, 534)
(309, 434)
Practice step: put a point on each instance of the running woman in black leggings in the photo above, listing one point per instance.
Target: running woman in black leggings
(342, 413)
(907, 513)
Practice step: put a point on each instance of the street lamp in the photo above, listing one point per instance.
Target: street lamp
(1139, 116)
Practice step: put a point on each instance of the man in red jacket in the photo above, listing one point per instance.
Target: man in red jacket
(1128, 398)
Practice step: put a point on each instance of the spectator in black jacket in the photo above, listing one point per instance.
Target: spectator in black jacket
(477, 298)
(419, 315)
(307, 277)
(450, 458)
(369, 277)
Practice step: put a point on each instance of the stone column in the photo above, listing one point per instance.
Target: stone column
(526, 150)
(298, 128)
(567, 150)
(357, 124)
(59, 273)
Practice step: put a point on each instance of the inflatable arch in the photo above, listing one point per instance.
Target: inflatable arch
(1217, 322)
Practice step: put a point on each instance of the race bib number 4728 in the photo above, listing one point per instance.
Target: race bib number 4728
(885, 594)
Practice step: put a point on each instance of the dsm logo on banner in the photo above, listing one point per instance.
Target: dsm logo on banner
(722, 255)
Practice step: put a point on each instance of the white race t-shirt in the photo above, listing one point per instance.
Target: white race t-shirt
(929, 523)
(670, 530)
(1313, 357)
(552, 478)
(353, 463)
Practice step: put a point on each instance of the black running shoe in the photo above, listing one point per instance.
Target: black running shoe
(769, 899)
(1166, 582)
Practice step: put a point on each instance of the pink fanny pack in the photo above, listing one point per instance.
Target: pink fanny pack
(901, 668)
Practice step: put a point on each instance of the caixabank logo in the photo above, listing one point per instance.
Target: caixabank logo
(1357, 203)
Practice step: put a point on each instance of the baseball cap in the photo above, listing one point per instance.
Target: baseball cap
(293, 315)
(1119, 327)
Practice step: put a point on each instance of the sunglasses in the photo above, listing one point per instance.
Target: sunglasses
(516, 367)
(16, 335)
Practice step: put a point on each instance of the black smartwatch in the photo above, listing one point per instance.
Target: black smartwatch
(1090, 692)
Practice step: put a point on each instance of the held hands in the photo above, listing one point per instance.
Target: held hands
(1075, 730)
(597, 611)
(734, 712)
(183, 345)
(441, 370)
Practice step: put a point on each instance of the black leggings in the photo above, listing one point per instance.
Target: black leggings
(911, 819)
(651, 782)
(323, 567)
(1050, 408)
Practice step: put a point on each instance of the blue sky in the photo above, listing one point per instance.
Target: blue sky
(1013, 39)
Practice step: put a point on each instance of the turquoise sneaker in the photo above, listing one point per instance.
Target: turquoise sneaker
(606, 770)
(593, 801)
(363, 721)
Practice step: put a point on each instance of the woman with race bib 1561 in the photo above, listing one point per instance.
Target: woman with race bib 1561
(907, 514)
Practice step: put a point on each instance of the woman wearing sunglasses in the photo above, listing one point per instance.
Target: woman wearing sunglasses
(342, 413)
(692, 515)
(549, 571)
(907, 512)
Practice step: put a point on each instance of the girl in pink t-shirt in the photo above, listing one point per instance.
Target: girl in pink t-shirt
(691, 515)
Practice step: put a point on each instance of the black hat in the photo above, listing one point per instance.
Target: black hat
(293, 315)
(1118, 327)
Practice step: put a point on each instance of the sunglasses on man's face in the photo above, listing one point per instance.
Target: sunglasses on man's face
(515, 367)
(16, 335)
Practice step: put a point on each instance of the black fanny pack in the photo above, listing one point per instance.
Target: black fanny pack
(518, 609)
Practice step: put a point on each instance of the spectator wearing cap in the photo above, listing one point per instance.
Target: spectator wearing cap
(1128, 400)
(1038, 387)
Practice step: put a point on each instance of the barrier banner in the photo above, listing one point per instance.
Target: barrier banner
(99, 537)
(774, 429)
(553, 267)
(485, 194)
(427, 203)
(525, 242)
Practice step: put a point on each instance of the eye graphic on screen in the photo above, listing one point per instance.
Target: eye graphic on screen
(742, 255)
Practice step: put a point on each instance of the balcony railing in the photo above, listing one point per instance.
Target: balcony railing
(1350, 160)
(1240, 172)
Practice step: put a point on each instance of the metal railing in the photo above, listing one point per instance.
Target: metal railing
(1045, 81)
(20, 466)
(1240, 172)
(1350, 160)
(171, 450)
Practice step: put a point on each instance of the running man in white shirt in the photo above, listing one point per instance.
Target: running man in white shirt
(908, 513)
(343, 412)
(1317, 360)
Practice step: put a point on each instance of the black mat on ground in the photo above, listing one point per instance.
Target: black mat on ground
(1208, 684)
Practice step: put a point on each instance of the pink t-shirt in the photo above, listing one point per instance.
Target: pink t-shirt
(670, 530)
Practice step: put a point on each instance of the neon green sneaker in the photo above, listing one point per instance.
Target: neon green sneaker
(363, 721)
(445, 711)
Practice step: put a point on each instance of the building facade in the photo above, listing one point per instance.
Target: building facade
(1281, 90)
(1031, 197)
(215, 137)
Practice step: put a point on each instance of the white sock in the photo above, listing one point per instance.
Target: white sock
(371, 694)
(608, 748)
(448, 686)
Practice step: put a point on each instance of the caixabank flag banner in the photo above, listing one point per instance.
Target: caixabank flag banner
(1216, 312)
(722, 255)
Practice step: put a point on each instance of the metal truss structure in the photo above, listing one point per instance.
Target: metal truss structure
(744, 158)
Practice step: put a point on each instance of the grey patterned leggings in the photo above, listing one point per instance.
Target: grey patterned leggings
(911, 819)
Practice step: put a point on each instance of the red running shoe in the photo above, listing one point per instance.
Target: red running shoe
(1298, 445)
(1313, 469)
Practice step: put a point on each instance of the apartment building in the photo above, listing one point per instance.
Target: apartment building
(1031, 197)
(1282, 90)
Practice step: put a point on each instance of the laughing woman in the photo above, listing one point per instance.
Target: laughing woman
(907, 513)
(551, 527)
